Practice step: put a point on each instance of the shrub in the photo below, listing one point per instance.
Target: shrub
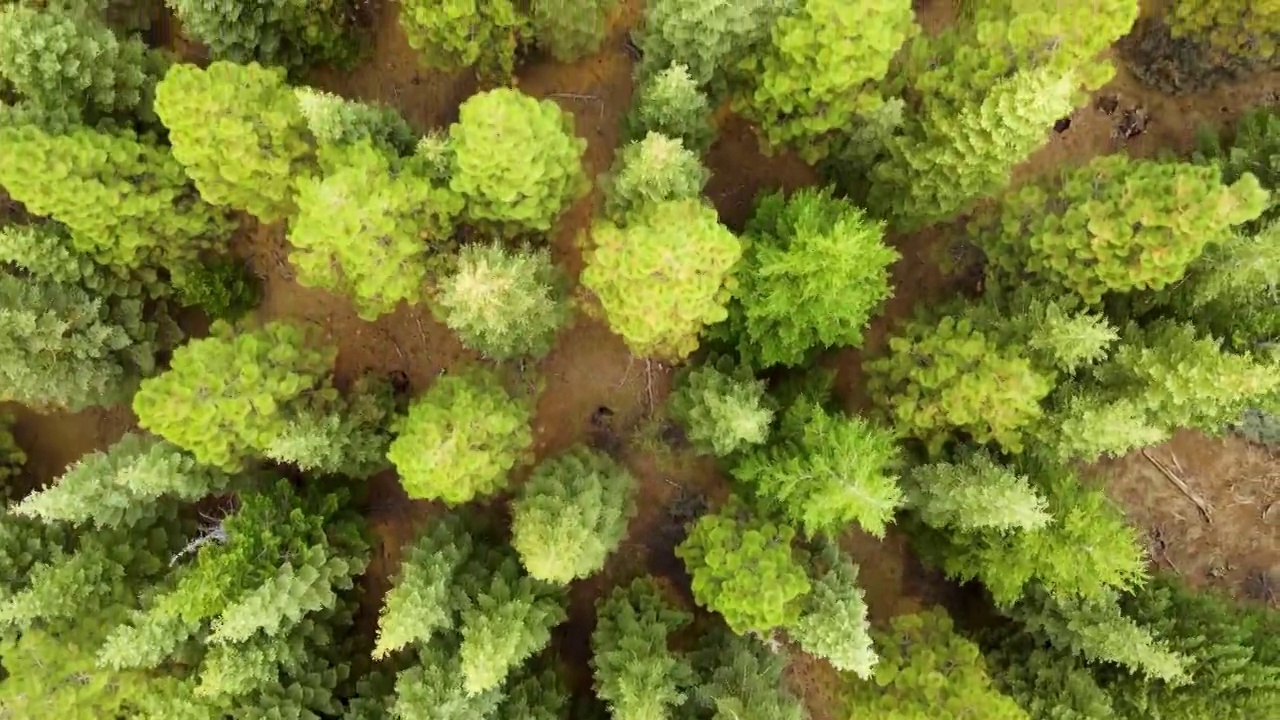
(516, 161)
(709, 37)
(723, 408)
(239, 132)
(371, 229)
(223, 288)
(975, 494)
(814, 271)
(570, 29)
(635, 673)
(833, 622)
(680, 241)
(571, 514)
(650, 171)
(504, 303)
(456, 34)
(292, 33)
(670, 103)
(461, 438)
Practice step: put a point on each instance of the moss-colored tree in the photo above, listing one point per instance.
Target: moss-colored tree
(291, 33)
(240, 133)
(339, 436)
(649, 171)
(709, 37)
(224, 288)
(975, 493)
(833, 622)
(570, 29)
(635, 672)
(46, 251)
(433, 688)
(724, 409)
(420, 601)
(461, 438)
(336, 121)
(740, 678)
(1237, 28)
(457, 34)
(535, 695)
(663, 276)
(669, 102)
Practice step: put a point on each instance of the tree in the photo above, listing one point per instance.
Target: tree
(571, 514)
(228, 396)
(533, 695)
(125, 201)
(820, 70)
(456, 34)
(504, 303)
(1245, 30)
(1118, 225)
(420, 601)
(814, 271)
(724, 409)
(648, 171)
(239, 132)
(118, 487)
(683, 243)
(825, 471)
(46, 251)
(746, 569)
(335, 121)
(291, 33)
(516, 161)
(12, 457)
(432, 688)
(64, 348)
(341, 436)
(635, 672)
(926, 669)
(709, 37)
(371, 228)
(975, 494)
(461, 439)
(669, 102)
(833, 621)
(739, 678)
(570, 30)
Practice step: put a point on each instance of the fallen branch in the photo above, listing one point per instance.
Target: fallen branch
(1206, 510)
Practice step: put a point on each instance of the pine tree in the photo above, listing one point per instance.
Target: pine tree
(239, 132)
(975, 494)
(348, 436)
(739, 678)
(570, 29)
(433, 688)
(826, 471)
(680, 241)
(814, 272)
(820, 70)
(533, 695)
(649, 171)
(504, 303)
(571, 514)
(1047, 683)
(635, 672)
(833, 621)
(47, 251)
(1245, 30)
(746, 569)
(456, 34)
(119, 487)
(460, 440)
(228, 396)
(724, 409)
(335, 121)
(669, 102)
(516, 161)
(420, 601)
(12, 457)
(291, 33)
(371, 228)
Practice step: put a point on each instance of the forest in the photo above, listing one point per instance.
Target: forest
(639, 359)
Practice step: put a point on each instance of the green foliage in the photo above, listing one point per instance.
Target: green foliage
(742, 679)
(683, 243)
(570, 29)
(461, 438)
(709, 37)
(833, 622)
(125, 201)
(669, 102)
(821, 68)
(12, 457)
(239, 132)
(223, 288)
(227, 396)
(952, 377)
(1253, 148)
(1236, 28)
(746, 569)
(535, 696)
(1260, 426)
(119, 486)
(928, 670)
(504, 303)
(635, 672)
(1118, 225)
(516, 161)
(571, 513)
(432, 688)
(371, 229)
(64, 348)
(826, 471)
(456, 34)
(336, 121)
(420, 600)
(724, 409)
(1231, 291)
(46, 251)
(975, 494)
(347, 437)
(649, 171)
(292, 33)
(814, 272)
(1049, 685)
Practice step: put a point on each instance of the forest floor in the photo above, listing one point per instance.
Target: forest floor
(596, 392)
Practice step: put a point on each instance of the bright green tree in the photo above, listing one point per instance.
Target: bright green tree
(635, 672)
(709, 37)
(669, 102)
(339, 436)
(1236, 28)
(833, 621)
(651, 170)
(239, 132)
(975, 493)
(570, 29)
(814, 272)
(48, 252)
(461, 438)
(336, 121)
(420, 601)
(724, 409)
(571, 514)
(292, 33)
(457, 34)
(663, 276)
(504, 303)
(516, 161)
(433, 688)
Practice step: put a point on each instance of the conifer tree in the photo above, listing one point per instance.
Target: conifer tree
(419, 602)
(457, 34)
(833, 621)
(344, 436)
(290, 33)
(504, 303)
(335, 121)
(516, 161)
(12, 457)
(709, 37)
(814, 272)
(975, 494)
(651, 170)
(739, 678)
(820, 70)
(239, 132)
(535, 695)
(724, 409)
(570, 29)
(432, 688)
(680, 241)
(371, 228)
(825, 471)
(669, 102)
(1237, 29)
(47, 251)
(635, 672)
(571, 514)
(461, 438)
